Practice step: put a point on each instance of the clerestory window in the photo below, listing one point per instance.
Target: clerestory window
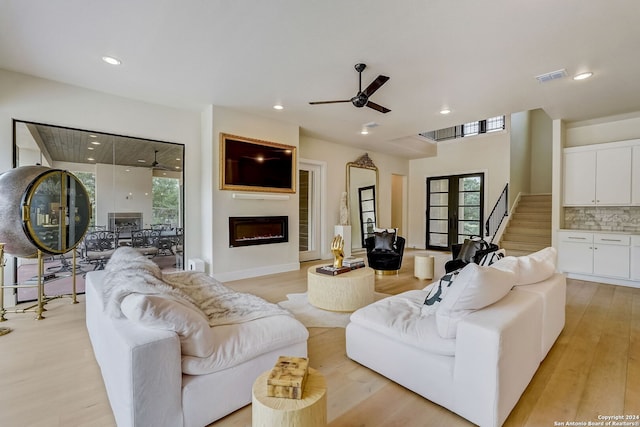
(492, 124)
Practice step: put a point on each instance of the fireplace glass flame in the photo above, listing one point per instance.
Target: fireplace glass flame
(263, 230)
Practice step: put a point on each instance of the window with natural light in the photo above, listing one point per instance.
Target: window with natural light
(492, 124)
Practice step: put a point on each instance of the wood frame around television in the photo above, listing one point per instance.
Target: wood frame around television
(248, 164)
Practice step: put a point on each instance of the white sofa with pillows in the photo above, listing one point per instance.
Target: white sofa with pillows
(476, 345)
(180, 349)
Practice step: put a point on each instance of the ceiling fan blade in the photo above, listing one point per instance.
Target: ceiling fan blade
(377, 107)
(329, 102)
(375, 85)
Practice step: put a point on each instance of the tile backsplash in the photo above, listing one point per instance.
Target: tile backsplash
(596, 218)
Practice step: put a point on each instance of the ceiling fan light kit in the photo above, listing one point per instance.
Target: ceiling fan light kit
(361, 99)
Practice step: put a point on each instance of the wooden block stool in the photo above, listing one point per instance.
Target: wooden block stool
(310, 411)
(423, 266)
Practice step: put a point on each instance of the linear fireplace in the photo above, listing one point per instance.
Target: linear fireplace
(257, 230)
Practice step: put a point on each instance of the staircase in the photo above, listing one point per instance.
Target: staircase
(529, 228)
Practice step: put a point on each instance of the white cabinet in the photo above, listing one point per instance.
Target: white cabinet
(575, 252)
(580, 178)
(635, 257)
(597, 176)
(635, 176)
(598, 254)
(611, 255)
(613, 176)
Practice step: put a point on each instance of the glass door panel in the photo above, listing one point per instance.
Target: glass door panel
(303, 192)
(469, 207)
(438, 234)
(309, 181)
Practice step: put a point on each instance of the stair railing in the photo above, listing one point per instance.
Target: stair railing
(497, 215)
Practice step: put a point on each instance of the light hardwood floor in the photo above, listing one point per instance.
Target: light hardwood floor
(49, 377)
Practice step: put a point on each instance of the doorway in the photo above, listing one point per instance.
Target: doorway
(310, 200)
(454, 209)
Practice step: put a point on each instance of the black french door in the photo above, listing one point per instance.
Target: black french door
(454, 209)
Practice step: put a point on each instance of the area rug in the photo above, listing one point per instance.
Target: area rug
(313, 317)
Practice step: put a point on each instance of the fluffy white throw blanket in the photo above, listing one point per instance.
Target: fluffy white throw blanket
(129, 272)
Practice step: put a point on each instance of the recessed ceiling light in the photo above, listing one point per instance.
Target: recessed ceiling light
(445, 111)
(364, 131)
(91, 159)
(583, 76)
(95, 142)
(142, 161)
(127, 170)
(111, 60)
(92, 136)
(91, 148)
(278, 107)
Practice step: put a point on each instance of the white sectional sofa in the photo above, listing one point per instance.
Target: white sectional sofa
(480, 366)
(149, 379)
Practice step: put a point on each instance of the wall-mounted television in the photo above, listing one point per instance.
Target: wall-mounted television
(248, 164)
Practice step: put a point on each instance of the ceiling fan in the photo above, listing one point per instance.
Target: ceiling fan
(156, 165)
(362, 97)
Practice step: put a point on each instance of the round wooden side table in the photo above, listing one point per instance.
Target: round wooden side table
(310, 411)
(342, 292)
(423, 266)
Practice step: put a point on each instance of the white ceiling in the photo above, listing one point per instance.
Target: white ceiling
(479, 58)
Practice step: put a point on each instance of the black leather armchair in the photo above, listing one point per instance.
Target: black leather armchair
(384, 252)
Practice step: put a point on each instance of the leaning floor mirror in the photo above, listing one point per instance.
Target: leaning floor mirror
(136, 189)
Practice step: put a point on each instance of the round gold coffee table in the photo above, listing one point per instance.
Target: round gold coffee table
(310, 411)
(342, 292)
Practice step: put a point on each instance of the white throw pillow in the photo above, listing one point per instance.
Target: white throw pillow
(532, 268)
(166, 313)
(475, 287)
(537, 266)
(508, 263)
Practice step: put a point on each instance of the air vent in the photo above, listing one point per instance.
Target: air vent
(554, 75)
(370, 125)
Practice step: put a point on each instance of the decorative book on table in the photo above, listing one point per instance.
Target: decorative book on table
(288, 376)
(354, 265)
(331, 270)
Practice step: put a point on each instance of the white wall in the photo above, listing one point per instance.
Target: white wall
(520, 156)
(489, 153)
(541, 152)
(226, 263)
(33, 99)
(605, 129)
